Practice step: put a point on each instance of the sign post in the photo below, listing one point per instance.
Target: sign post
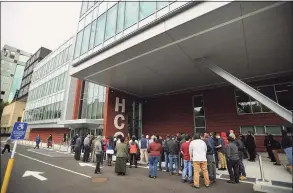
(18, 133)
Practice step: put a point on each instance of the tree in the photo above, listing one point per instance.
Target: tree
(2, 105)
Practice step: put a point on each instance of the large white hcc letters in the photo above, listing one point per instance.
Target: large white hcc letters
(119, 116)
(118, 104)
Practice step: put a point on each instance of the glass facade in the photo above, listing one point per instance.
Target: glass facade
(93, 101)
(103, 22)
(46, 91)
(280, 93)
(17, 78)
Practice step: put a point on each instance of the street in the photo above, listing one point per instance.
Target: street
(52, 172)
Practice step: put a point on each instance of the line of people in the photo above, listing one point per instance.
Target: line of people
(197, 156)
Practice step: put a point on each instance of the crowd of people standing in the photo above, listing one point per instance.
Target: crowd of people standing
(198, 155)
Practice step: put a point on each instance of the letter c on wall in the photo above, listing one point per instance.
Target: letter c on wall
(121, 126)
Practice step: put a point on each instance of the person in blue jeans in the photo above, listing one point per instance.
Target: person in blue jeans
(187, 163)
(173, 149)
(286, 144)
(155, 149)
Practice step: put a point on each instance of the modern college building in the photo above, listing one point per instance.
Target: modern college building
(168, 67)
(28, 72)
(188, 67)
(12, 67)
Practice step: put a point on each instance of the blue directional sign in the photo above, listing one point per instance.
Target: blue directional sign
(19, 130)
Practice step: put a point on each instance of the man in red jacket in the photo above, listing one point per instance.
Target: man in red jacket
(187, 168)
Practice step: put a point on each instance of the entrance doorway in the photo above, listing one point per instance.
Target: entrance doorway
(135, 119)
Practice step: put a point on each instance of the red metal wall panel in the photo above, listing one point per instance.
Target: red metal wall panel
(171, 114)
(57, 134)
(109, 128)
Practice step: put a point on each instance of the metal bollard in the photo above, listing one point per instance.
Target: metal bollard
(262, 174)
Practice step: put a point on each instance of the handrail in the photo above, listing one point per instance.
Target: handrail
(262, 174)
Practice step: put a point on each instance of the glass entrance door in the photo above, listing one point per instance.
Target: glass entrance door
(135, 119)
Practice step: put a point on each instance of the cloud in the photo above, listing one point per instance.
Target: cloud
(30, 25)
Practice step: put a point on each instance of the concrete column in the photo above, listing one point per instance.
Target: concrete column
(275, 107)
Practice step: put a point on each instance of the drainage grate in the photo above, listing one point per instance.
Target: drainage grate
(99, 180)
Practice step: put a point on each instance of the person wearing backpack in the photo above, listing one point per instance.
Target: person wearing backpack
(133, 151)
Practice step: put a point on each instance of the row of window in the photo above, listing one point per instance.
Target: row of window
(280, 93)
(30, 69)
(93, 101)
(32, 59)
(261, 130)
(54, 85)
(92, 108)
(52, 64)
(23, 91)
(86, 5)
(51, 111)
(26, 80)
(120, 16)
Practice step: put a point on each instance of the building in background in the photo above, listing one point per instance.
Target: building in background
(28, 71)
(12, 67)
(185, 66)
(45, 101)
(11, 114)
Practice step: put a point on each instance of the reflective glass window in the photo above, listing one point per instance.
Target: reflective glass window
(90, 4)
(95, 13)
(284, 94)
(99, 37)
(161, 4)
(243, 102)
(120, 18)
(92, 36)
(85, 39)
(111, 22)
(102, 8)
(131, 13)
(274, 130)
(245, 129)
(84, 7)
(146, 9)
(78, 44)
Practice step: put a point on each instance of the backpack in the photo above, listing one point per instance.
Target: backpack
(133, 148)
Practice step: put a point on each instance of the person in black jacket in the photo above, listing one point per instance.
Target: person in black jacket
(173, 149)
(286, 144)
(245, 154)
(275, 145)
(251, 146)
(268, 145)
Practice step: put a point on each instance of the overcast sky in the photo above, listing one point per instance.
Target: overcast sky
(30, 25)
